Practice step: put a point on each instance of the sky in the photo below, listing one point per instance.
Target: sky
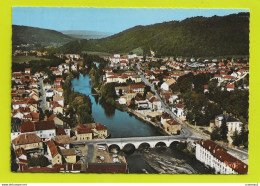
(112, 20)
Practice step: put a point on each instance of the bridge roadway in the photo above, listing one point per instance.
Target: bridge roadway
(137, 141)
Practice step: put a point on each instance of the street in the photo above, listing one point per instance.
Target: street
(42, 98)
(185, 131)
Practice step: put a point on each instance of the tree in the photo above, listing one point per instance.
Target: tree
(215, 135)
(236, 139)
(146, 90)
(120, 92)
(41, 161)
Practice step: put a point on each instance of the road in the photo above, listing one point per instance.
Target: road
(133, 139)
(89, 156)
(186, 132)
(42, 98)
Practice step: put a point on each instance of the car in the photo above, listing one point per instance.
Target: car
(114, 155)
(101, 148)
(101, 158)
(116, 160)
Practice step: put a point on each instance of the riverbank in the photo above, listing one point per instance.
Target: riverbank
(118, 122)
(130, 111)
(142, 117)
(165, 160)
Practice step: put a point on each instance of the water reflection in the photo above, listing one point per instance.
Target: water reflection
(119, 123)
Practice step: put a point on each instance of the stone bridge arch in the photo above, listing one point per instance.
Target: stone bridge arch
(137, 144)
(142, 143)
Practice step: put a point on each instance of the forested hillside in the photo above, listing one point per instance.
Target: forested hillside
(38, 36)
(197, 36)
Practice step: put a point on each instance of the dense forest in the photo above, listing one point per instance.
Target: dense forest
(38, 36)
(196, 36)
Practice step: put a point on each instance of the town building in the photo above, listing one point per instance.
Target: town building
(218, 158)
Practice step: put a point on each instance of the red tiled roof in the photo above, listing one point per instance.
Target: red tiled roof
(100, 127)
(137, 98)
(86, 128)
(40, 169)
(229, 77)
(53, 149)
(60, 131)
(51, 117)
(206, 87)
(217, 75)
(133, 86)
(172, 122)
(180, 106)
(59, 79)
(55, 104)
(26, 139)
(27, 126)
(106, 168)
(44, 125)
(35, 116)
(67, 167)
(83, 130)
(31, 101)
(230, 86)
(153, 99)
(165, 116)
(19, 152)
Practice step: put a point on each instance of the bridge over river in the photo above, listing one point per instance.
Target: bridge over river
(137, 141)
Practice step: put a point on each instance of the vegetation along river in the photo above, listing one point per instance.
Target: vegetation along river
(121, 124)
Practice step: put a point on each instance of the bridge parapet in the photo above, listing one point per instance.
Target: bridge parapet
(137, 141)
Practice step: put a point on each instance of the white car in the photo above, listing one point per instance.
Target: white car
(101, 148)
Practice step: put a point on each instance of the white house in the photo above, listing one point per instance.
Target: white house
(166, 85)
(232, 123)
(173, 98)
(142, 103)
(131, 56)
(49, 93)
(47, 86)
(45, 129)
(122, 100)
(179, 110)
(165, 117)
(19, 104)
(155, 104)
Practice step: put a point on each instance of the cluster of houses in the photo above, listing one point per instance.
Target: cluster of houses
(27, 53)
(164, 77)
(170, 125)
(225, 72)
(35, 134)
(126, 76)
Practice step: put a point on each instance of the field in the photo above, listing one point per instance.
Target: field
(22, 59)
(101, 54)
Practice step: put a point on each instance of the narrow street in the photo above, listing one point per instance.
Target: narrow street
(89, 155)
(42, 98)
(190, 132)
(186, 132)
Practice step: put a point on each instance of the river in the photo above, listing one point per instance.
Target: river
(119, 123)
